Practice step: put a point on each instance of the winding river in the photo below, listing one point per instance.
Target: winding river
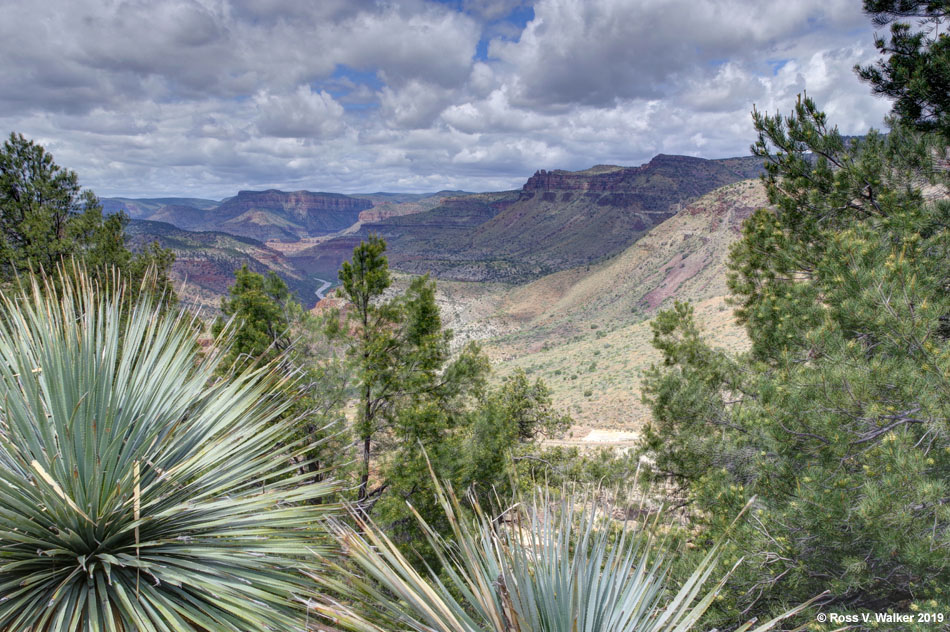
(321, 292)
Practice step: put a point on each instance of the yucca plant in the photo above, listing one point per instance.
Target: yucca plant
(546, 566)
(136, 491)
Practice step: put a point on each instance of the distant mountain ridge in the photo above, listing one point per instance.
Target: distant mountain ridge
(263, 215)
(211, 238)
(558, 220)
(143, 208)
(288, 216)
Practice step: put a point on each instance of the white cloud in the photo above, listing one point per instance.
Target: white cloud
(435, 46)
(493, 114)
(596, 51)
(301, 114)
(413, 105)
(733, 86)
(204, 97)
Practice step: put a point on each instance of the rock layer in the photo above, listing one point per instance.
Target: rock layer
(558, 220)
(288, 216)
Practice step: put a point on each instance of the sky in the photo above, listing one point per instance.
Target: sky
(202, 98)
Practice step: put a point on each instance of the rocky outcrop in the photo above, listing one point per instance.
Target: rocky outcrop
(575, 181)
(685, 173)
(557, 220)
(287, 216)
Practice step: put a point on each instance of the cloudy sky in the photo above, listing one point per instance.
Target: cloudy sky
(205, 97)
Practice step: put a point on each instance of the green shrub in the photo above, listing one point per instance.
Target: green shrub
(837, 417)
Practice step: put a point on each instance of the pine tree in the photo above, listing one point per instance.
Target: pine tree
(508, 426)
(413, 395)
(265, 324)
(47, 218)
(837, 419)
(916, 69)
(260, 307)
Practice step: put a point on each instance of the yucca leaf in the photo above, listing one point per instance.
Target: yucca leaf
(556, 566)
(137, 491)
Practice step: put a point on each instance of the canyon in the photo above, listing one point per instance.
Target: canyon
(573, 264)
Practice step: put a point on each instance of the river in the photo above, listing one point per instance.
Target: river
(321, 293)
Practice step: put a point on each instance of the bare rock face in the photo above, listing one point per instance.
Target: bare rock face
(651, 186)
(558, 220)
(287, 216)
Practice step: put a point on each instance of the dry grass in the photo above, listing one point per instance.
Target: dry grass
(596, 377)
(586, 331)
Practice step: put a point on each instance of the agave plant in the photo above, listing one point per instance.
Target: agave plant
(547, 566)
(137, 493)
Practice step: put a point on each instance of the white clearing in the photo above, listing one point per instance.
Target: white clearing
(610, 436)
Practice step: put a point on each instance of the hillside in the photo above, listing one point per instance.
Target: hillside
(262, 215)
(287, 216)
(183, 216)
(144, 208)
(682, 258)
(598, 311)
(557, 235)
(601, 312)
(322, 257)
(393, 205)
(211, 239)
(558, 220)
(205, 261)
